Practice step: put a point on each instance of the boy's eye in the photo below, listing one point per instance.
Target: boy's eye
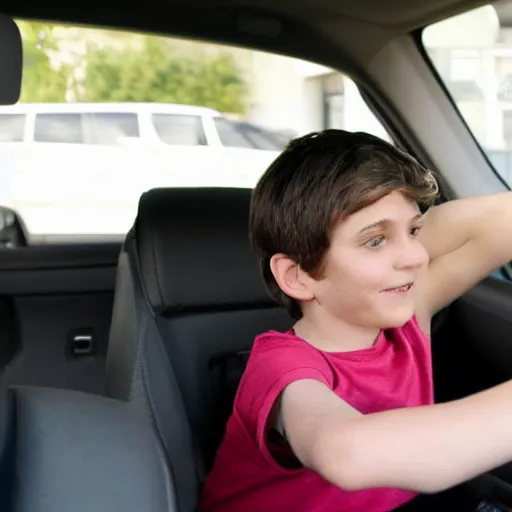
(415, 230)
(375, 242)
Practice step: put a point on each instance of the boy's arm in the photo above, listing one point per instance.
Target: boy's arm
(466, 239)
(423, 449)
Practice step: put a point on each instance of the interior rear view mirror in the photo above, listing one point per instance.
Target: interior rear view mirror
(11, 61)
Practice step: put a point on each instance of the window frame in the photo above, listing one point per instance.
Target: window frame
(206, 120)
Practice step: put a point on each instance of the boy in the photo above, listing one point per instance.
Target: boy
(337, 414)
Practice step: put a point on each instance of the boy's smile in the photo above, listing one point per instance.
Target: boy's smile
(400, 289)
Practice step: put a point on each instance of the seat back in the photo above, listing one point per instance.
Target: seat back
(64, 450)
(203, 286)
(139, 371)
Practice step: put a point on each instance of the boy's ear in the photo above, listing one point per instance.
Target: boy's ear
(291, 278)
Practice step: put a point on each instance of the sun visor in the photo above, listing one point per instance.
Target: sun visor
(11, 61)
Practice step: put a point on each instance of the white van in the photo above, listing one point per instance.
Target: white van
(80, 168)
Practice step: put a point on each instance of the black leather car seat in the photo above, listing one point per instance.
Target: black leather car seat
(63, 451)
(189, 301)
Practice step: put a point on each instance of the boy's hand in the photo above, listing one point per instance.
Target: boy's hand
(466, 239)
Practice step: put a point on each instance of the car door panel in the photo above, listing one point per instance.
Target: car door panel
(56, 305)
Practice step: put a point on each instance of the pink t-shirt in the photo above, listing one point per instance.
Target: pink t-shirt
(395, 372)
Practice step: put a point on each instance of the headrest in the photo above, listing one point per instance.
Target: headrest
(194, 253)
(11, 61)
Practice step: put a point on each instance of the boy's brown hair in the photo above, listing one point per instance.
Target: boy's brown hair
(318, 180)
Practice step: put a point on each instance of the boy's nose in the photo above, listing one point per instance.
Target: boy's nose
(412, 255)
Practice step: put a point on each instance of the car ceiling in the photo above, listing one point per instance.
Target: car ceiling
(361, 27)
(399, 15)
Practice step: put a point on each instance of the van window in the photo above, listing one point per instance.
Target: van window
(236, 134)
(182, 130)
(260, 138)
(231, 136)
(12, 127)
(66, 128)
(111, 128)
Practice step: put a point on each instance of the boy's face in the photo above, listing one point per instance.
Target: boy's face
(373, 264)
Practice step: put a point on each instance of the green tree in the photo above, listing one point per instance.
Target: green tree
(41, 82)
(154, 73)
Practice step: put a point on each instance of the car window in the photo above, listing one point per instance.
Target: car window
(12, 127)
(64, 128)
(116, 113)
(110, 128)
(472, 54)
(174, 129)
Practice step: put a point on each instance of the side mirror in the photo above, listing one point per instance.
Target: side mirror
(12, 229)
